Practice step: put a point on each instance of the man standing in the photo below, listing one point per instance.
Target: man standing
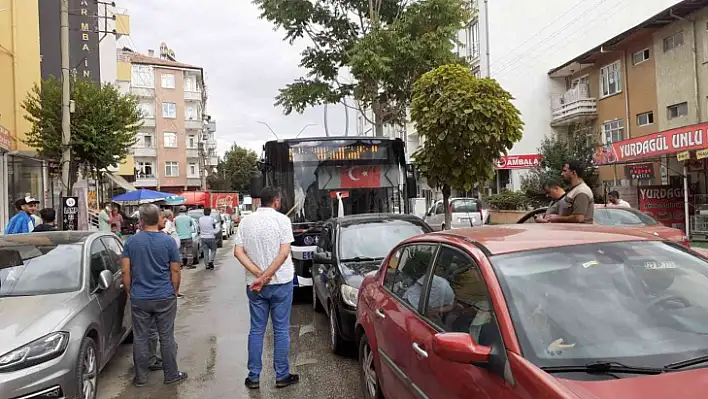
(48, 216)
(613, 198)
(579, 198)
(263, 247)
(184, 224)
(104, 218)
(151, 275)
(558, 207)
(207, 233)
(23, 221)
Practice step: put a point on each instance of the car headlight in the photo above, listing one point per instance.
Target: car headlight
(349, 295)
(38, 351)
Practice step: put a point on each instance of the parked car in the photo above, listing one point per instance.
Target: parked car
(62, 320)
(216, 216)
(526, 311)
(348, 248)
(465, 212)
(625, 217)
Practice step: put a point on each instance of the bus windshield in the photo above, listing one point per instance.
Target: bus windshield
(368, 175)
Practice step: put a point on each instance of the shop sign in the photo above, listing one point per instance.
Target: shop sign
(672, 141)
(683, 156)
(663, 203)
(519, 161)
(701, 154)
(640, 171)
(7, 142)
(70, 213)
(696, 165)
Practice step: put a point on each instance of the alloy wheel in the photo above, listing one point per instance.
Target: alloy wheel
(369, 370)
(89, 373)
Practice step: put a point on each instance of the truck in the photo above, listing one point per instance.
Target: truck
(225, 202)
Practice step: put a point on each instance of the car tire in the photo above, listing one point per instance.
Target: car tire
(316, 304)
(87, 370)
(369, 379)
(336, 343)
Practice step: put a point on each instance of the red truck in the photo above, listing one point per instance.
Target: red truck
(223, 201)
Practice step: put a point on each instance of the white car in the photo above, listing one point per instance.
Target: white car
(465, 212)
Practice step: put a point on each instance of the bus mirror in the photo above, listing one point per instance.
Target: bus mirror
(256, 185)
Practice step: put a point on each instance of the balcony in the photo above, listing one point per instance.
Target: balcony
(192, 153)
(145, 181)
(211, 126)
(212, 161)
(149, 122)
(211, 144)
(145, 152)
(193, 124)
(574, 106)
(192, 95)
(148, 92)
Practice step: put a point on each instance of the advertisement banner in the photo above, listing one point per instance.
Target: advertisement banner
(224, 201)
(672, 141)
(663, 203)
(7, 142)
(70, 213)
(640, 171)
(529, 161)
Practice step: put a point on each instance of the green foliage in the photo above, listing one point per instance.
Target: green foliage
(385, 44)
(234, 170)
(103, 127)
(508, 200)
(578, 143)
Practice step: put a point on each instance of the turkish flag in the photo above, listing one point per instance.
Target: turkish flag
(361, 177)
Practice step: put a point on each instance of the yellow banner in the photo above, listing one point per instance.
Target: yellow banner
(700, 154)
(683, 156)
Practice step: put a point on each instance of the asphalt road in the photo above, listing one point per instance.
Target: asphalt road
(212, 334)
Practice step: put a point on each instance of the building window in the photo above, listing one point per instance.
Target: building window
(191, 113)
(168, 81)
(143, 76)
(677, 110)
(472, 39)
(171, 169)
(673, 41)
(646, 118)
(611, 79)
(640, 56)
(146, 170)
(191, 141)
(170, 140)
(145, 140)
(193, 171)
(190, 83)
(613, 131)
(169, 110)
(147, 110)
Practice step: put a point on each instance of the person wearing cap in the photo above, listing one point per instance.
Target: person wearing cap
(23, 221)
(184, 225)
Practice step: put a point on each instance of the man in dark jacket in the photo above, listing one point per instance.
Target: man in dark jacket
(48, 216)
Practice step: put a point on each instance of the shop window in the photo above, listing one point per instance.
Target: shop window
(24, 177)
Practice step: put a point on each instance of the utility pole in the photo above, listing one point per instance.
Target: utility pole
(65, 97)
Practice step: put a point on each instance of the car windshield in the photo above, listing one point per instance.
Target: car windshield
(464, 205)
(375, 239)
(622, 217)
(27, 270)
(638, 303)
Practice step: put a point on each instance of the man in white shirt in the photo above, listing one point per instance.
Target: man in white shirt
(207, 233)
(263, 247)
(613, 198)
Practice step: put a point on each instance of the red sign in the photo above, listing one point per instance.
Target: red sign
(663, 203)
(224, 201)
(361, 177)
(6, 140)
(668, 142)
(519, 161)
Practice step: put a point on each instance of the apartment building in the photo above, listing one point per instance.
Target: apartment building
(176, 148)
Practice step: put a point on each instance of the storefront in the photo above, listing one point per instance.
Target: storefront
(511, 169)
(7, 144)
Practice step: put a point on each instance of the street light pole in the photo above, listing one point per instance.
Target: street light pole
(305, 127)
(269, 128)
(65, 97)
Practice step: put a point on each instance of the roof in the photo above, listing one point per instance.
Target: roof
(47, 238)
(137, 58)
(373, 217)
(332, 138)
(528, 237)
(660, 20)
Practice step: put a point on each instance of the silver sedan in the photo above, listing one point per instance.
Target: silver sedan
(63, 312)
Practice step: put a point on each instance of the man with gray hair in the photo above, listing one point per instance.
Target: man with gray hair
(151, 266)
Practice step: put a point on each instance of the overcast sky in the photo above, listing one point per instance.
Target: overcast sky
(244, 60)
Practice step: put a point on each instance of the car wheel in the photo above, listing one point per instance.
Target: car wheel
(316, 304)
(370, 386)
(336, 344)
(87, 370)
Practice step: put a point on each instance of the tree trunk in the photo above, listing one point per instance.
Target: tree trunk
(376, 108)
(446, 206)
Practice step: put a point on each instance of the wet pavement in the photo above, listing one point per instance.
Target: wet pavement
(212, 334)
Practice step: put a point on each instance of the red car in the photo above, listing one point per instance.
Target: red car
(535, 311)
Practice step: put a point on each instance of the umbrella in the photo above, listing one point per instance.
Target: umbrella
(142, 195)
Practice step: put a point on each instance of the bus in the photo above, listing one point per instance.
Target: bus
(325, 177)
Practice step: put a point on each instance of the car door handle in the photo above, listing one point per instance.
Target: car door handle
(380, 314)
(419, 350)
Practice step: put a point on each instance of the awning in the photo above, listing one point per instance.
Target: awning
(120, 182)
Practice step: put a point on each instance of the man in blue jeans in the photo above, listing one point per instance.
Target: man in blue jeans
(263, 247)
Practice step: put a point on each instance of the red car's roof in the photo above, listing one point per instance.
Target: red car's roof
(527, 237)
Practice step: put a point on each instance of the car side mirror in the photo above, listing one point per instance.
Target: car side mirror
(105, 279)
(460, 348)
(324, 258)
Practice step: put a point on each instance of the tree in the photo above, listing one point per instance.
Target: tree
(578, 143)
(233, 173)
(104, 124)
(466, 124)
(385, 45)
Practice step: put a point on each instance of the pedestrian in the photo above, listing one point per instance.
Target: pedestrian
(613, 198)
(558, 207)
(116, 220)
(151, 275)
(184, 224)
(104, 218)
(23, 221)
(263, 247)
(169, 228)
(207, 233)
(579, 198)
(49, 217)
